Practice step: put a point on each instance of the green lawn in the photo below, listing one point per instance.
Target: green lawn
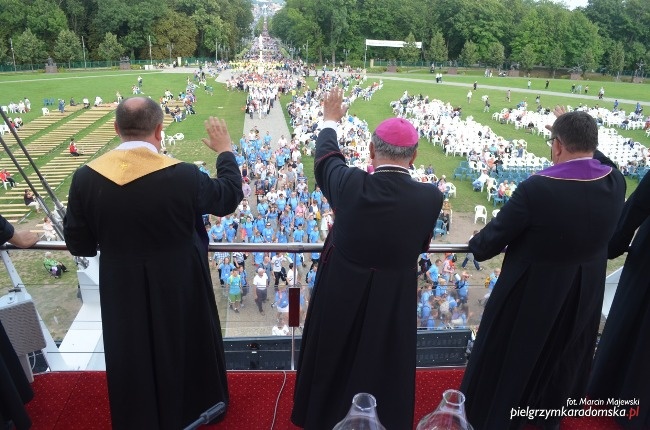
(229, 105)
(379, 109)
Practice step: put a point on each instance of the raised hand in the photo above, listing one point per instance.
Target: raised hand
(218, 137)
(333, 107)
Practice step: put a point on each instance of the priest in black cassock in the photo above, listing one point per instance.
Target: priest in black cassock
(621, 369)
(165, 362)
(536, 339)
(360, 332)
(15, 390)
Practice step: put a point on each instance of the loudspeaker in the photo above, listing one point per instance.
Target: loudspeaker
(434, 348)
(20, 321)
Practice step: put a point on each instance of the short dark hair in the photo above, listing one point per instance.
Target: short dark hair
(393, 152)
(138, 117)
(577, 131)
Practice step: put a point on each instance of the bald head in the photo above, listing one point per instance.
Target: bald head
(138, 118)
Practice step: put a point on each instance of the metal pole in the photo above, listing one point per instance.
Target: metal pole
(150, 57)
(83, 48)
(365, 55)
(56, 221)
(12, 52)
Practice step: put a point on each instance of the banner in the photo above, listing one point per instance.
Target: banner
(390, 43)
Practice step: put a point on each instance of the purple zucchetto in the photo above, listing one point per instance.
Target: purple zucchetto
(397, 132)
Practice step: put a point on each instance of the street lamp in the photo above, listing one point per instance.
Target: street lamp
(307, 49)
(13, 55)
(83, 48)
(346, 52)
(170, 46)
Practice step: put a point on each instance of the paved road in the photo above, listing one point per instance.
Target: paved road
(447, 80)
(275, 123)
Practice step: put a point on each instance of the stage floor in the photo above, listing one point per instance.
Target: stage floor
(79, 400)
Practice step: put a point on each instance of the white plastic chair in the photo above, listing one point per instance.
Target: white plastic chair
(480, 212)
(451, 189)
(45, 111)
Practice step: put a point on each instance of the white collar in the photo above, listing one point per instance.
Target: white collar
(124, 146)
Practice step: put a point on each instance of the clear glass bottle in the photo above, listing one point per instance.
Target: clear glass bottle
(449, 415)
(362, 414)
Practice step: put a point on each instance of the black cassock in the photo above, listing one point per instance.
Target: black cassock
(536, 339)
(621, 369)
(165, 362)
(15, 390)
(360, 333)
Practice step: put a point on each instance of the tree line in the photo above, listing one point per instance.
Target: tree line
(606, 35)
(68, 30)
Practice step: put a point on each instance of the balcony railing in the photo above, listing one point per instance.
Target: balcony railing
(72, 337)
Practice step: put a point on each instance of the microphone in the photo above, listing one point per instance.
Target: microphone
(208, 416)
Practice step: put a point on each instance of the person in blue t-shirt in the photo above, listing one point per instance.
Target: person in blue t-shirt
(433, 274)
(311, 277)
(441, 288)
(282, 236)
(217, 232)
(425, 313)
(240, 159)
(268, 233)
(298, 220)
(281, 201)
(228, 220)
(462, 287)
(263, 206)
(231, 233)
(433, 322)
(452, 298)
(267, 139)
(280, 159)
(258, 258)
(248, 228)
(317, 196)
(293, 200)
(259, 223)
(298, 234)
(257, 237)
(325, 206)
(234, 290)
(427, 292)
(286, 219)
(311, 224)
(226, 268)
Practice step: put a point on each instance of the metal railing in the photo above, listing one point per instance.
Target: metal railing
(79, 348)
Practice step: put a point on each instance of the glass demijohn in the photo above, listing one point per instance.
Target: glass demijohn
(449, 415)
(362, 414)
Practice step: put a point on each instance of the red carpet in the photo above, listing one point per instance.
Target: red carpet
(79, 400)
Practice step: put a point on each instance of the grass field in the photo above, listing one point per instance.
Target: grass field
(56, 298)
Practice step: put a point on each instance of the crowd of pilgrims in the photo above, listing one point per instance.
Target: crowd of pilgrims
(280, 206)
